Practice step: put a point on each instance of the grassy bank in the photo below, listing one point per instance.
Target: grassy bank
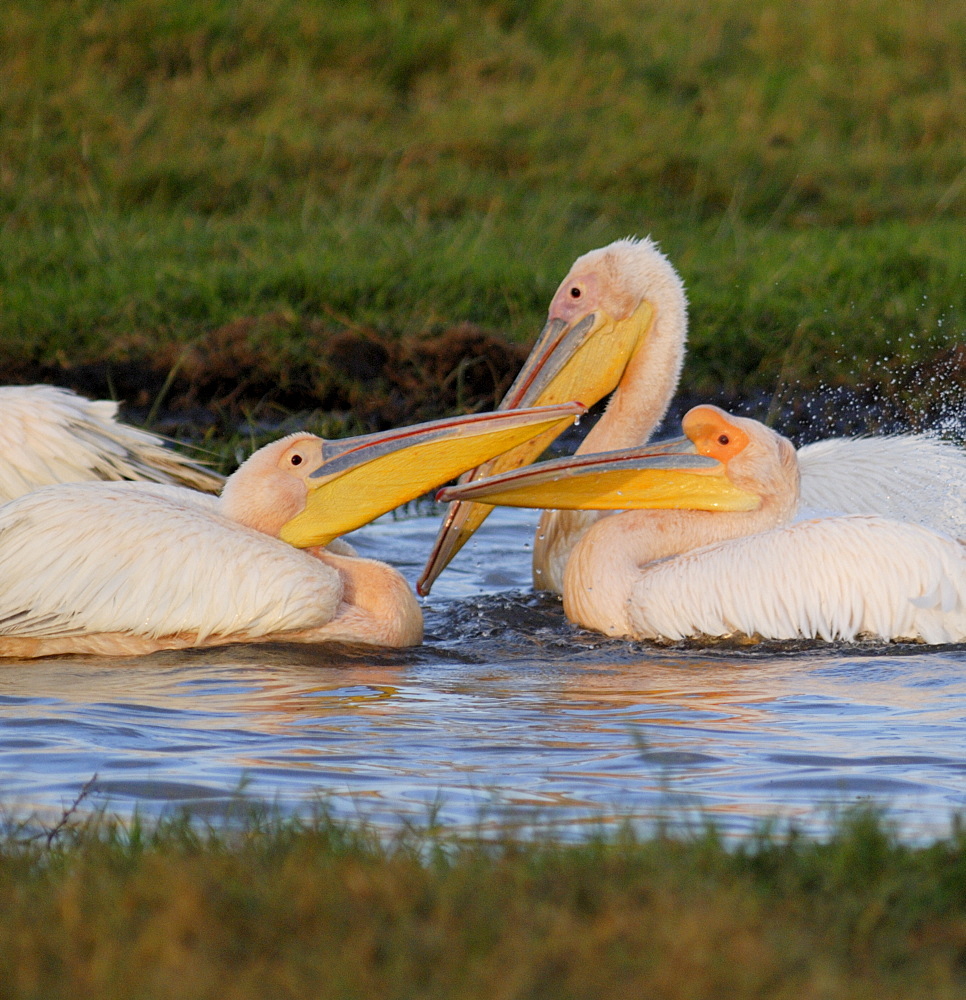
(197, 185)
(319, 909)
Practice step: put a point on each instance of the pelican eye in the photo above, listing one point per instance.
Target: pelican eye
(575, 292)
(296, 460)
(723, 439)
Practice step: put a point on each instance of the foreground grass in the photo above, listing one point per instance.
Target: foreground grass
(170, 167)
(320, 909)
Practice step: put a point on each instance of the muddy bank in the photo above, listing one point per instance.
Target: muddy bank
(265, 371)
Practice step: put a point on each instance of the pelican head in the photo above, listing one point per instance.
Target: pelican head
(617, 321)
(755, 458)
(599, 318)
(308, 491)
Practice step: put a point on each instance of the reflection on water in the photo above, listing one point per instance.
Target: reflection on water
(507, 712)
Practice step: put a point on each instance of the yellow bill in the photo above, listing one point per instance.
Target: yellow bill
(636, 478)
(582, 361)
(366, 476)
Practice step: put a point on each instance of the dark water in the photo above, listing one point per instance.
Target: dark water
(506, 713)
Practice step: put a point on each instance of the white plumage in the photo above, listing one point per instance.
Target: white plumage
(831, 578)
(164, 568)
(52, 435)
(916, 478)
(128, 568)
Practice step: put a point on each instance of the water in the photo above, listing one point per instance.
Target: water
(507, 713)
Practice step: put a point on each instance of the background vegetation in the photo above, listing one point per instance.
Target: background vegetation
(317, 910)
(279, 201)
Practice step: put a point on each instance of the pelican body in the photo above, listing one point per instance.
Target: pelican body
(52, 435)
(705, 545)
(129, 568)
(618, 321)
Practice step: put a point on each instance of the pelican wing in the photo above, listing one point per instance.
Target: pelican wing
(910, 477)
(52, 435)
(832, 578)
(149, 560)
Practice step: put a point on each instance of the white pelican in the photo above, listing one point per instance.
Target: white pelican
(52, 435)
(619, 318)
(725, 560)
(128, 568)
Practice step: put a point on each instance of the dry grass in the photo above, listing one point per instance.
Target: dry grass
(319, 909)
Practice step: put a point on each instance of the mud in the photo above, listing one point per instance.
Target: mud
(265, 373)
(264, 369)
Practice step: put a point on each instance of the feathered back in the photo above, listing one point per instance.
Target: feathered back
(887, 476)
(52, 435)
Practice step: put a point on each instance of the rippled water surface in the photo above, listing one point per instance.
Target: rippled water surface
(506, 713)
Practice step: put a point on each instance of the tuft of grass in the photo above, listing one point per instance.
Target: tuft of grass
(321, 908)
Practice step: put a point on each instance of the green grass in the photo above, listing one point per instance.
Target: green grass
(168, 167)
(439, 109)
(829, 302)
(324, 909)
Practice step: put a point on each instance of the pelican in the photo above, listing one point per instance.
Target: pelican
(129, 568)
(704, 545)
(618, 322)
(52, 435)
